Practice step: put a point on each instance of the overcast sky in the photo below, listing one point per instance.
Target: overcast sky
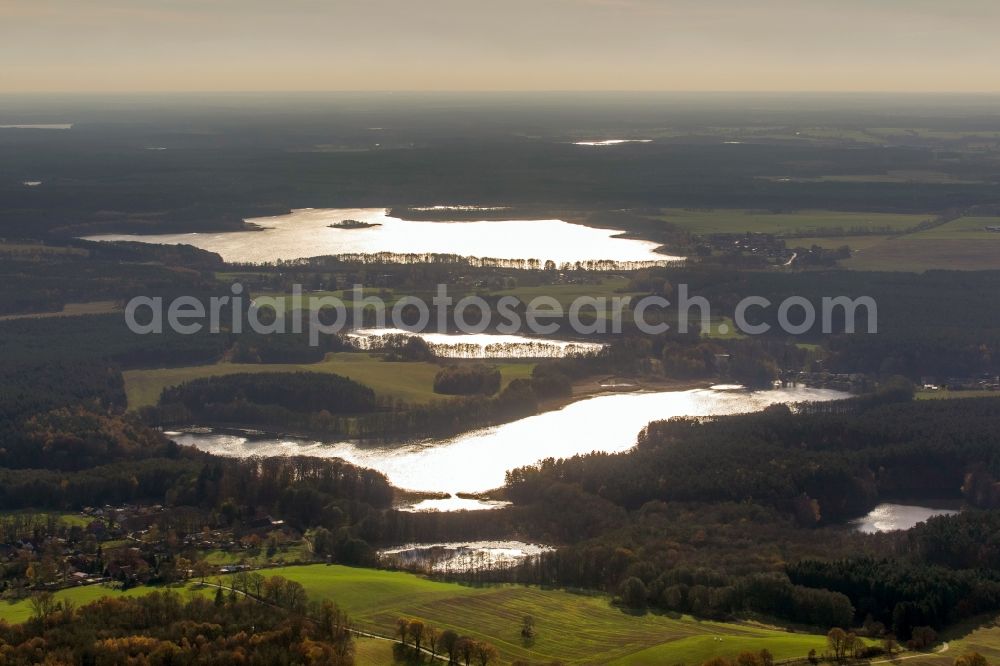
(146, 45)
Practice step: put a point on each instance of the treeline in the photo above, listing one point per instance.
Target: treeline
(826, 464)
(476, 379)
(309, 491)
(950, 574)
(105, 338)
(65, 445)
(938, 323)
(327, 404)
(46, 279)
(901, 594)
(294, 391)
(279, 627)
(758, 479)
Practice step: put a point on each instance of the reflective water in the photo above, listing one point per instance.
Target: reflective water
(476, 461)
(307, 233)
(611, 142)
(479, 345)
(460, 556)
(40, 126)
(453, 503)
(890, 517)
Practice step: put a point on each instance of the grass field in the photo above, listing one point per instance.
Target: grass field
(66, 518)
(71, 310)
(571, 627)
(373, 652)
(916, 254)
(964, 228)
(945, 394)
(740, 221)
(411, 381)
(981, 635)
(566, 293)
(723, 328)
(20, 611)
(27, 249)
(961, 244)
(834, 242)
(292, 553)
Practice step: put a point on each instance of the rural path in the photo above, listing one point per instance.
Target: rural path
(941, 650)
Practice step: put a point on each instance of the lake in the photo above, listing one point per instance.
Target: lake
(891, 517)
(479, 345)
(476, 461)
(307, 233)
(460, 557)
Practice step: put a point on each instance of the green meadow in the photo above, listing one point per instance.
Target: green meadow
(709, 221)
(408, 381)
(572, 628)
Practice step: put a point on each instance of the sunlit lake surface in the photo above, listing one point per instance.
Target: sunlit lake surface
(307, 233)
(460, 556)
(891, 517)
(453, 503)
(476, 461)
(610, 142)
(478, 345)
(40, 126)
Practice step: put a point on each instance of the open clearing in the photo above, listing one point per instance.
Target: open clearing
(962, 244)
(19, 611)
(71, 310)
(964, 228)
(917, 254)
(573, 628)
(408, 381)
(981, 635)
(799, 222)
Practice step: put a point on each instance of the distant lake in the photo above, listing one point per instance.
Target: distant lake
(479, 345)
(460, 556)
(40, 126)
(610, 142)
(476, 461)
(307, 233)
(891, 517)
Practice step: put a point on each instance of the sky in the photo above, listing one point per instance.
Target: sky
(669, 45)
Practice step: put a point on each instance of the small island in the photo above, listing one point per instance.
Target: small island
(354, 224)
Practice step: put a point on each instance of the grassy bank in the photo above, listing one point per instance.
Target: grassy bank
(409, 381)
(573, 628)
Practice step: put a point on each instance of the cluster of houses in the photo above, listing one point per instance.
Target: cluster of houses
(123, 545)
(981, 383)
(759, 244)
(854, 382)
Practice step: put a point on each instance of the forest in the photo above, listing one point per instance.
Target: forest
(727, 518)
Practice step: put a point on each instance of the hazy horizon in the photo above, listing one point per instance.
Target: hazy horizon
(119, 46)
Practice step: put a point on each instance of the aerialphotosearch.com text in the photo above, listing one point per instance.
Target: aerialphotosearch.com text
(471, 314)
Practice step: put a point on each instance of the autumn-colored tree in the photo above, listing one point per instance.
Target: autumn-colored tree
(416, 631)
(466, 648)
(402, 629)
(433, 636)
(971, 659)
(486, 653)
(923, 638)
(449, 642)
(838, 641)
